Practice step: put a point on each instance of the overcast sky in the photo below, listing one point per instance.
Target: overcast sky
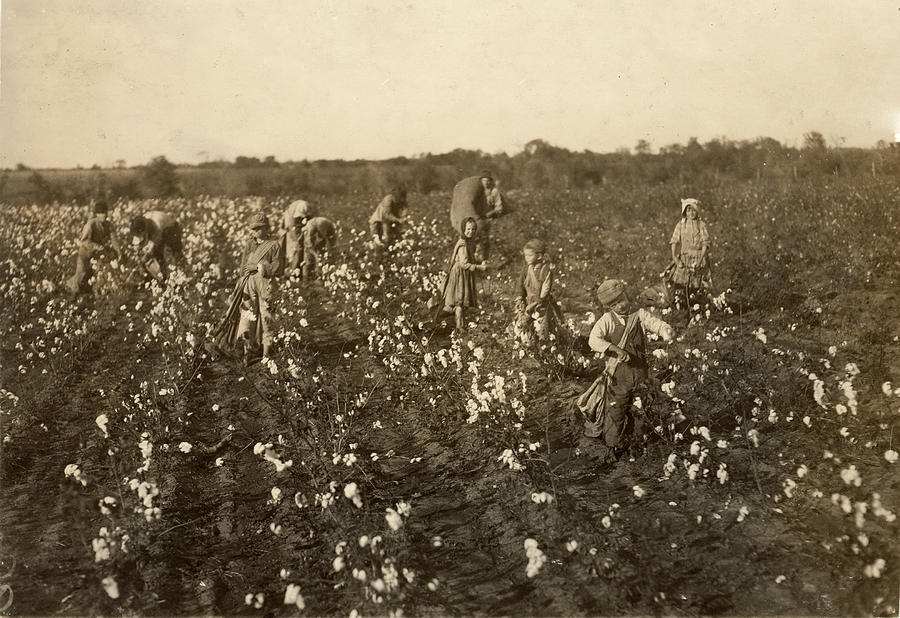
(93, 81)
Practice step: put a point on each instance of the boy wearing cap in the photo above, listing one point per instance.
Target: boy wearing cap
(153, 233)
(385, 221)
(620, 336)
(260, 262)
(248, 319)
(96, 239)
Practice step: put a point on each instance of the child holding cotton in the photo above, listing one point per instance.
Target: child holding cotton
(460, 291)
(620, 336)
(536, 310)
(97, 239)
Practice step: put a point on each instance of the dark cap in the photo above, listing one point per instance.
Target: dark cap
(101, 207)
(258, 220)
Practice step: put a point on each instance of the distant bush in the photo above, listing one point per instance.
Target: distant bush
(158, 178)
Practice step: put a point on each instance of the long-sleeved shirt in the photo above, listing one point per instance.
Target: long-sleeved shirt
(611, 326)
(386, 209)
(691, 236)
(494, 202)
(462, 256)
(536, 282)
(267, 253)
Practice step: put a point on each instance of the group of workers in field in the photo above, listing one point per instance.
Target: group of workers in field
(619, 336)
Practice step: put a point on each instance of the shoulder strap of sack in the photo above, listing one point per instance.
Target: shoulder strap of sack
(629, 328)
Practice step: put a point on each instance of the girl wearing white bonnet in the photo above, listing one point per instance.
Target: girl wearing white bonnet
(690, 244)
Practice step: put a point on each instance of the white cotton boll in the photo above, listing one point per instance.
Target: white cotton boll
(891, 456)
(638, 491)
(571, 546)
(722, 474)
(875, 569)
(102, 421)
(536, 558)
(338, 564)
(111, 587)
(351, 492)
(393, 518)
(887, 389)
(292, 596)
(753, 435)
(851, 476)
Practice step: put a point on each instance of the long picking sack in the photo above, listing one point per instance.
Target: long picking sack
(592, 402)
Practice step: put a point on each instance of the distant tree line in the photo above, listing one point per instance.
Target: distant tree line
(539, 164)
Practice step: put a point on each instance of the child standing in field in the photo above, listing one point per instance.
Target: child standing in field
(690, 271)
(96, 239)
(248, 320)
(459, 286)
(536, 310)
(153, 233)
(620, 336)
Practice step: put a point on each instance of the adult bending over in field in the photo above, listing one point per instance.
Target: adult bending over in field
(536, 310)
(96, 240)
(690, 271)
(619, 335)
(318, 237)
(477, 197)
(492, 195)
(384, 224)
(153, 233)
(293, 223)
(459, 285)
(248, 320)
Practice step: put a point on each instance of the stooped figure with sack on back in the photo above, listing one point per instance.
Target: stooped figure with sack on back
(620, 336)
(479, 198)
